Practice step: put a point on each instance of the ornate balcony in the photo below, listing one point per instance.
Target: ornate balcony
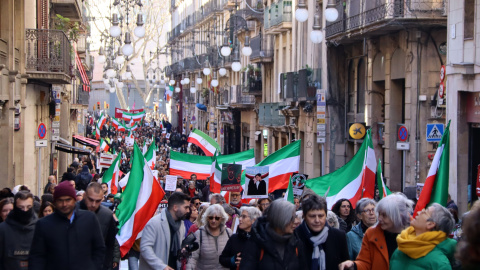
(369, 17)
(278, 17)
(262, 50)
(239, 99)
(48, 55)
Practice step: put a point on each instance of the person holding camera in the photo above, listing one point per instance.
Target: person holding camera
(212, 238)
(162, 236)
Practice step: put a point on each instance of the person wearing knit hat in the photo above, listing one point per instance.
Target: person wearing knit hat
(70, 238)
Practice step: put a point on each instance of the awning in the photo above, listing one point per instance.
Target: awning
(71, 149)
(85, 141)
(83, 74)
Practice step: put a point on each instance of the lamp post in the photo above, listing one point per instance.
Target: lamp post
(331, 15)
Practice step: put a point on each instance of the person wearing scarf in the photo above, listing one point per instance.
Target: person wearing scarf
(424, 245)
(323, 247)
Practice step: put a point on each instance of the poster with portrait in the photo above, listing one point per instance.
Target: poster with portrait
(231, 176)
(256, 182)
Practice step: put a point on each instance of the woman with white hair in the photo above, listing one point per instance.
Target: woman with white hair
(212, 238)
(365, 211)
(232, 254)
(273, 245)
(379, 241)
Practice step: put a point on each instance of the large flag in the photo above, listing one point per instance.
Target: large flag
(117, 125)
(281, 165)
(354, 180)
(102, 120)
(382, 189)
(185, 165)
(245, 158)
(133, 117)
(151, 154)
(104, 145)
(140, 200)
(202, 140)
(110, 177)
(435, 189)
(96, 132)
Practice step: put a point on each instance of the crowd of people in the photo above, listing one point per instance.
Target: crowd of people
(73, 225)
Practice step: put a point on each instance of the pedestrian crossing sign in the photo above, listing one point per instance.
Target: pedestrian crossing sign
(434, 132)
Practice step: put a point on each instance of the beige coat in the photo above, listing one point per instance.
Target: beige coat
(206, 257)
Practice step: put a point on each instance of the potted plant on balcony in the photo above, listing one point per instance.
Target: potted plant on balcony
(71, 29)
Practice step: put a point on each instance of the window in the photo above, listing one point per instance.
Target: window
(469, 16)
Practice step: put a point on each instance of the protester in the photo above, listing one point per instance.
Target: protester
(163, 234)
(51, 180)
(6, 205)
(425, 244)
(199, 221)
(379, 241)
(344, 210)
(232, 253)
(190, 218)
(217, 198)
(365, 211)
(16, 233)
(468, 251)
(83, 178)
(92, 202)
(46, 209)
(332, 220)
(321, 247)
(69, 238)
(263, 204)
(273, 245)
(192, 191)
(236, 200)
(206, 190)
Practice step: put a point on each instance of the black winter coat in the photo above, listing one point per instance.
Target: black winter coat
(59, 244)
(15, 241)
(335, 247)
(108, 225)
(83, 179)
(261, 251)
(235, 244)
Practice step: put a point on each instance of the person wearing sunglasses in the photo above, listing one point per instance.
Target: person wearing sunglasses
(232, 254)
(212, 238)
(365, 211)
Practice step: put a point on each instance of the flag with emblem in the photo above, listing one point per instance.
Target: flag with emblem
(205, 142)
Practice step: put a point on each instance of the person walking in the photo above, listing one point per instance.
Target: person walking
(322, 247)
(83, 178)
(366, 214)
(70, 238)
(163, 234)
(232, 253)
(16, 233)
(425, 244)
(92, 200)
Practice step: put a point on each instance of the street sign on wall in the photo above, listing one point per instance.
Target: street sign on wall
(42, 131)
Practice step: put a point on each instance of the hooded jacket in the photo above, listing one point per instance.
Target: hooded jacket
(354, 241)
(15, 241)
(262, 252)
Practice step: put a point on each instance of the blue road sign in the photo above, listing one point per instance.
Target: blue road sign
(435, 132)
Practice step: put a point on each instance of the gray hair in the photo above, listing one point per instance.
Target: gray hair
(253, 212)
(218, 198)
(443, 218)
(362, 203)
(332, 220)
(215, 209)
(398, 208)
(280, 214)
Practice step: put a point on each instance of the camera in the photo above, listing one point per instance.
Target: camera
(189, 245)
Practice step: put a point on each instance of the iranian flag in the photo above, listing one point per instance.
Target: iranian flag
(202, 140)
(245, 158)
(140, 200)
(354, 180)
(151, 154)
(102, 120)
(383, 190)
(104, 145)
(110, 177)
(281, 165)
(133, 117)
(96, 132)
(117, 125)
(435, 189)
(185, 165)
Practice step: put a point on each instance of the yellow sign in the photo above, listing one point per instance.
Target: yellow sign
(357, 131)
(321, 121)
(265, 149)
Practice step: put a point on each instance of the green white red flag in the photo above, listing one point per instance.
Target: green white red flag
(140, 200)
(96, 132)
(151, 154)
(354, 180)
(382, 189)
(289, 193)
(104, 145)
(245, 158)
(185, 165)
(111, 175)
(435, 189)
(282, 164)
(102, 120)
(205, 142)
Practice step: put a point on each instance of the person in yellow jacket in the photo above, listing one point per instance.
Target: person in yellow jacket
(425, 245)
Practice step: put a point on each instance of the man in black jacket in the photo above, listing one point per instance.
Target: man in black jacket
(16, 233)
(69, 238)
(83, 178)
(92, 200)
(321, 246)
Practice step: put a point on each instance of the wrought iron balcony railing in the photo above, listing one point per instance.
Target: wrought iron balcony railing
(261, 48)
(358, 14)
(278, 13)
(48, 51)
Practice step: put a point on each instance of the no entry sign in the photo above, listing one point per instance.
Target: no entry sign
(402, 134)
(42, 131)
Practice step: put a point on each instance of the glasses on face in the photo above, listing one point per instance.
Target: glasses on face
(216, 218)
(197, 203)
(369, 211)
